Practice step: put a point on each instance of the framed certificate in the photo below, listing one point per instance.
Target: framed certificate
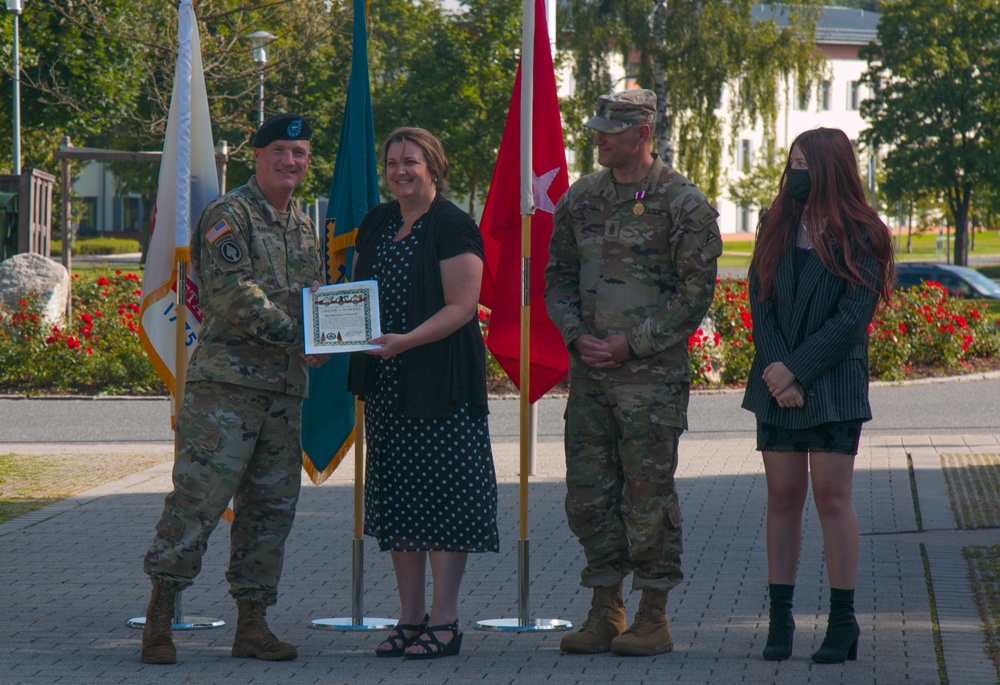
(341, 317)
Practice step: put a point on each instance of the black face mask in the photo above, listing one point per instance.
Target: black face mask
(799, 185)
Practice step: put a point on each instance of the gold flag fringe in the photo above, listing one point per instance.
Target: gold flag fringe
(317, 476)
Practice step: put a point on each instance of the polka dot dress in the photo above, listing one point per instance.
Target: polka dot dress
(430, 484)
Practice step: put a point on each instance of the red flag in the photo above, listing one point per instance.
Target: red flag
(501, 228)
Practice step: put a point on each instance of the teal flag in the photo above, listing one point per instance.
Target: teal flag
(328, 413)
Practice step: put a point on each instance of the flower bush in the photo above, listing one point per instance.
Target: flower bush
(922, 328)
(96, 352)
(493, 368)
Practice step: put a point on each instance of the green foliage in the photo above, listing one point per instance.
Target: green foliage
(759, 186)
(102, 71)
(451, 74)
(730, 312)
(694, 55)
(924, 327)
(98, 352)
(98, 246)
(923, 330)
(935, 106)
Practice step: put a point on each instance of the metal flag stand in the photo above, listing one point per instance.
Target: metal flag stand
(357, 620)
(189, 74)
(524, 622)
(181, 622)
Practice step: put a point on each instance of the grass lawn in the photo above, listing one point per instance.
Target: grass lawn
(29, 482)
(923, 249)
(96, 268)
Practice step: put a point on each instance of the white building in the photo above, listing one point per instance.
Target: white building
(101, 210)
(833, 102)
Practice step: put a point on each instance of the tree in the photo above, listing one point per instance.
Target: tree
(935, 105)
(759, 186)
(451, 74)
(101, 72)
(694, 54)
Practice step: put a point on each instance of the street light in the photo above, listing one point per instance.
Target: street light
(15, 7)
(258, 43)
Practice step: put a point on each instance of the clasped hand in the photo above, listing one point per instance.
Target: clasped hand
(782, 385)
(608, 353)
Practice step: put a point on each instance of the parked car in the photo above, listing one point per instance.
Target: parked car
(960, 281)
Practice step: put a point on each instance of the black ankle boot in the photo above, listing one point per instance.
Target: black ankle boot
(781, 625)
(842, 631)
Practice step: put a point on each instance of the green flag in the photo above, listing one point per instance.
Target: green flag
(328, 413)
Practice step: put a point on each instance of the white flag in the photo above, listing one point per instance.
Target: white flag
(187, 183)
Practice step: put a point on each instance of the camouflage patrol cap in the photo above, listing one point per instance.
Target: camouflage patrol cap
(617, 111)
(282, 127)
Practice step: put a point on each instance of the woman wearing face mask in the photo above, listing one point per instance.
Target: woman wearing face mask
(430, 490)
(822, 264)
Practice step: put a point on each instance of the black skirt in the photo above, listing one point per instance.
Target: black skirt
(838, 436)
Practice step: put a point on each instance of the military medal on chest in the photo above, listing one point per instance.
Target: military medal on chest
(638, 208)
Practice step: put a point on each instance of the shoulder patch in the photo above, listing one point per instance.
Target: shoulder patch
(230, 251)
(217, 231)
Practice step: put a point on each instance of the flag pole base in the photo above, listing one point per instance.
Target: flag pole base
(345, 623)
(522, 623)
(357, 621)
(181, 622)
(515, 625)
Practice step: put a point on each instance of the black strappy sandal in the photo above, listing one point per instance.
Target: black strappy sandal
(397, 638)
(433, 647)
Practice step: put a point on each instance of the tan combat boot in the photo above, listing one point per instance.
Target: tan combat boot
(157, 645)
(649, 633)
(605, 621)
(253, 637)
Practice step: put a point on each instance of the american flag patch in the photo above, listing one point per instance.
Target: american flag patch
(220, 229)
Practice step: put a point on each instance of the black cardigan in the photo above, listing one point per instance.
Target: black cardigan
(439, 375)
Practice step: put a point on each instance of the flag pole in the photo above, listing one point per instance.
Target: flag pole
(182, 257)
(357, 620)
(524, 622)
(358, 109)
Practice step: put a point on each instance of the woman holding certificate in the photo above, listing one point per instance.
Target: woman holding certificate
(430, 489)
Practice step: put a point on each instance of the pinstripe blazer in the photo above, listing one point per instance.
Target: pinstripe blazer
(819, 328)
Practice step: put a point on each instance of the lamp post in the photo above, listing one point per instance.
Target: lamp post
(15, 7)
(258, 43)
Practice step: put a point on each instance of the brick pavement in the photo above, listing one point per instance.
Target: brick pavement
(72, 576)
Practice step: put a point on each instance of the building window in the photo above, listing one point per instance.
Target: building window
(801, 101)
(744, 223)
(745, 162)
(128, 214)
(854, 96)
(823, 94)
(88, 215)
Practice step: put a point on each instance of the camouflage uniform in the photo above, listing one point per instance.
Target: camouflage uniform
(238, 427)
(647, 273)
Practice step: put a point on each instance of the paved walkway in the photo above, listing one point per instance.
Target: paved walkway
(72, 577)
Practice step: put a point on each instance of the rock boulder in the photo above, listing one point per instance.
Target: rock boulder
(28, 273)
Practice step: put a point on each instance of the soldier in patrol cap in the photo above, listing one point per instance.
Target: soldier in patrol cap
(631, 273)
(237, 431)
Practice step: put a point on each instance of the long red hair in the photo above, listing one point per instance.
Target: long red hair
(837, 216)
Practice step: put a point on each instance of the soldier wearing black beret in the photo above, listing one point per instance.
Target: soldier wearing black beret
(237, 430)
(282, 127)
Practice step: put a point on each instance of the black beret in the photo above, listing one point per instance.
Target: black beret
(282, 127)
